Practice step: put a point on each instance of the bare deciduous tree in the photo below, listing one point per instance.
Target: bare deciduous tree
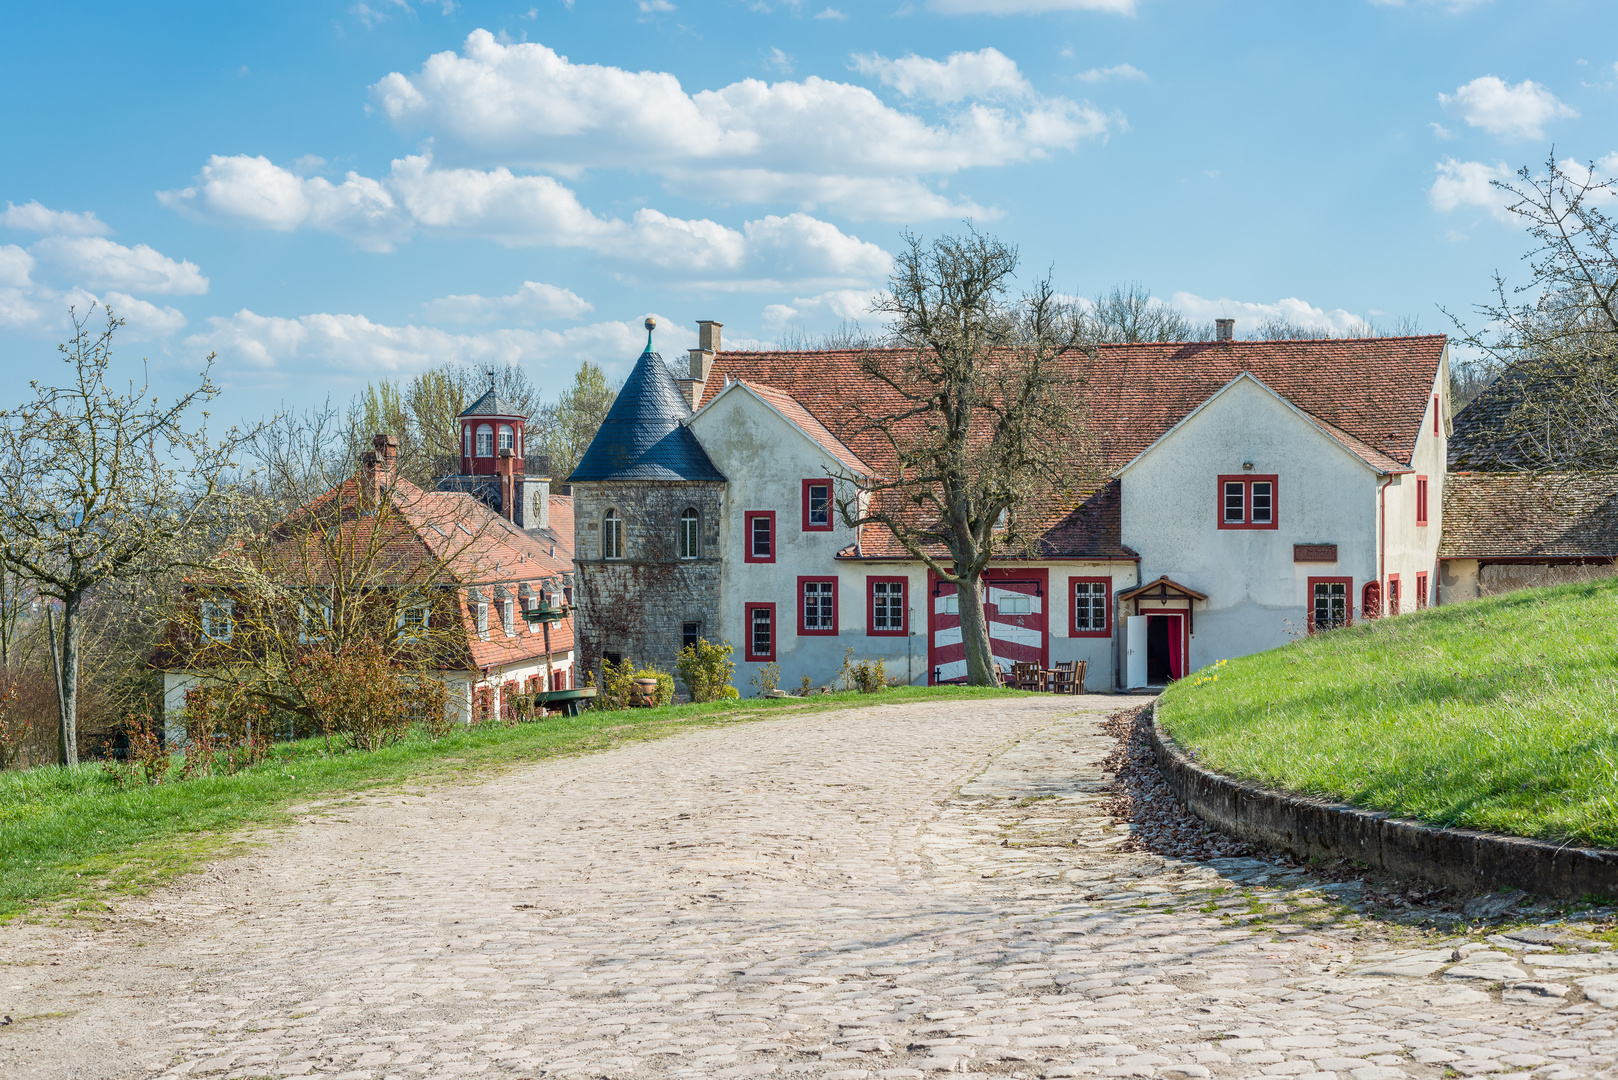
(979, 415)
(99, 485)
(566, 427)
(1554, 338)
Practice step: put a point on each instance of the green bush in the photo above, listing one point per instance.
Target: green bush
(767, 679)
(617, 684)
(665, 684)
(706, 669)
(870, 676)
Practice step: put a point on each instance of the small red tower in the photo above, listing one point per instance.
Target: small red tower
(488, 426)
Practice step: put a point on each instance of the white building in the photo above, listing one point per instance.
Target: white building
(1247, 492)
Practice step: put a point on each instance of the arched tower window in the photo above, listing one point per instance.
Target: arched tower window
(485, 441)
(506, 442)
(466, 439)
(612, 536)
(690, 534)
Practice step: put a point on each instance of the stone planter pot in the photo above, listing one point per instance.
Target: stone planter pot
(645, 694)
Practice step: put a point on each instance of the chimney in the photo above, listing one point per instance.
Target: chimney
(377, 468)
(702, 359)
(505, 466)
(1224, 329)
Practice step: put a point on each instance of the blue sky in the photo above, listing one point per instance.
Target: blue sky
(330, 193)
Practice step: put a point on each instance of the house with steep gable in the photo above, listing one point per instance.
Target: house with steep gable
(1239, 493)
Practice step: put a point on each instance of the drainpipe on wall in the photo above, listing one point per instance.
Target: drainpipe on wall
(1382, 547)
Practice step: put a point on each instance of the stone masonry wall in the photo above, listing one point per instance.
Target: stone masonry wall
(636, 606)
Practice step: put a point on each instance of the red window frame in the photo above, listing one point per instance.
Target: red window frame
(1073, 607)
(1348, 599)
(1421, 592)
(870, 606)
(747, 538)
(1393, 599)
(803, 606)
(1421, 500)
(1435, 414)
(747, 628)
(807, 527)
(1247, 480)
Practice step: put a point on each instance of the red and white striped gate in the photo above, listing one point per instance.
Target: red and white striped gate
(1014, 604)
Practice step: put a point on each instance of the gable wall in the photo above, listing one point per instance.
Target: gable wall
(1413, 549)
(1255, 590)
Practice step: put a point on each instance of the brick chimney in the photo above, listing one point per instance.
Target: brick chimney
(702, 359)
(506, 467)
(1224, 329)
(377, 470)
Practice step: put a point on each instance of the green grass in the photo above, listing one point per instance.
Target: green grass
(75, 838)
(1499, 714)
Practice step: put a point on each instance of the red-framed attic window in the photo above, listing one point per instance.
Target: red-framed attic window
(759, 539)
(887, 613)
(1247, 501)
(760, 623)
(817, 508)
(1092, 606)
(817, 606)
(1421, 500)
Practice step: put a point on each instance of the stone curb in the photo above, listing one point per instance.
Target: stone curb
(1314, 828)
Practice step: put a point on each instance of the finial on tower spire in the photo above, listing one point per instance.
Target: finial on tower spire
(489, 371)
(651, 324)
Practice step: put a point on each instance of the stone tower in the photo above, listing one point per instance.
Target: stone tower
(646, 507)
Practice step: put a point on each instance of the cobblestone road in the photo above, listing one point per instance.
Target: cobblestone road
(887, 892)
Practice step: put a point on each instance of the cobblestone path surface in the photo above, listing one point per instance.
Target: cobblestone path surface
(885, 892)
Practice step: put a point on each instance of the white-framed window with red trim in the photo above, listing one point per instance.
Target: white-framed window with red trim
(1421, 591)
(1247, 501)
(760, 623)
(1092, 606)
(1421, 500)
(1393, 594)
(1331, 603)
(886, 611)
(817, 509)
(817, 606)
(759, 540)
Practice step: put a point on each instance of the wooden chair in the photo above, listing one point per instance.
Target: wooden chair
(1062, 677)
(1028, 676)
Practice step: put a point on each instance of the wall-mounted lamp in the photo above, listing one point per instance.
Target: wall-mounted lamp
(1247, 466)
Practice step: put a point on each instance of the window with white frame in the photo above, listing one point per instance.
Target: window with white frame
(819, 606)
(480, 614)
(1247, 502)
(314, 618)
(888, 606)
(690, 533)
(612, 536)
(218, 620)
(413, 619)
(485, 441)
(507, 616)
(1089, 607)
(507, 441)
(761, 631)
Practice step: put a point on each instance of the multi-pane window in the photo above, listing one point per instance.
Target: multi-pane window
(612, 536)
(218, 620)
(1329, 603)
(480, 610)
(506, 442)
(485, 441)
(1247, 502)
(690, 634)
(413, 622)
(1393, 594)
(1090, 607)
(1013, 603)
(761, 631)
(760, 536)
(1421, 500)
(314, 619)
(1421, 591)
(817, 505)
(690, 536)
(507, 618)
(888, 606)
(819, 606)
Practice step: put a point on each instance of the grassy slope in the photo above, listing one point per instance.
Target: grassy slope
(1501, 714)
(79, 835)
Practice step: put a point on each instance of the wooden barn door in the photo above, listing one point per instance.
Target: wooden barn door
(1014, 605)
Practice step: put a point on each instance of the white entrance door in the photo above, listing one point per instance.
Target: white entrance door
(1135, 655)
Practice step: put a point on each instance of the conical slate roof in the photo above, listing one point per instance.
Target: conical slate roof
(491, 404)
(644, 436)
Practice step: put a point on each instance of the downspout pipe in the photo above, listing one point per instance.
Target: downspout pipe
(1382, 546)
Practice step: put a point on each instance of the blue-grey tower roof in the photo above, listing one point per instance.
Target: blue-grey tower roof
(644, 436)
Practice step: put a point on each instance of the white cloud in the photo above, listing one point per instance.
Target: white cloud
(1028, 7)
(1469, 183)
(1117, 71)
(526, 104)
(97, 262)
(832, 13)
(987, 73)
(780, 61)
(16, 266)
(1513, 112)
(655, 7)
(32, 217)
(145, 320)
(529, 304)
(822, 312)
(353, 344)
(539, 211)
(1249, 315)
(254, 191)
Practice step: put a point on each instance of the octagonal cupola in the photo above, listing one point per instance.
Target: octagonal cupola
(488, 426)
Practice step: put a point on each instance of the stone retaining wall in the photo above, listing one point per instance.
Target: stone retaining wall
(1313, 828)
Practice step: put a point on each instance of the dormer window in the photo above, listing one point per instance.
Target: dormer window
(485, 441)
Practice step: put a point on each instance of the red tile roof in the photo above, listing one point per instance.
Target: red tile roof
(1371, 394)
(805, 421)
(1521, 515)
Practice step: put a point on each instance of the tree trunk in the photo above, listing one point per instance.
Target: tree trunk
(975, 633)
(70, 682)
